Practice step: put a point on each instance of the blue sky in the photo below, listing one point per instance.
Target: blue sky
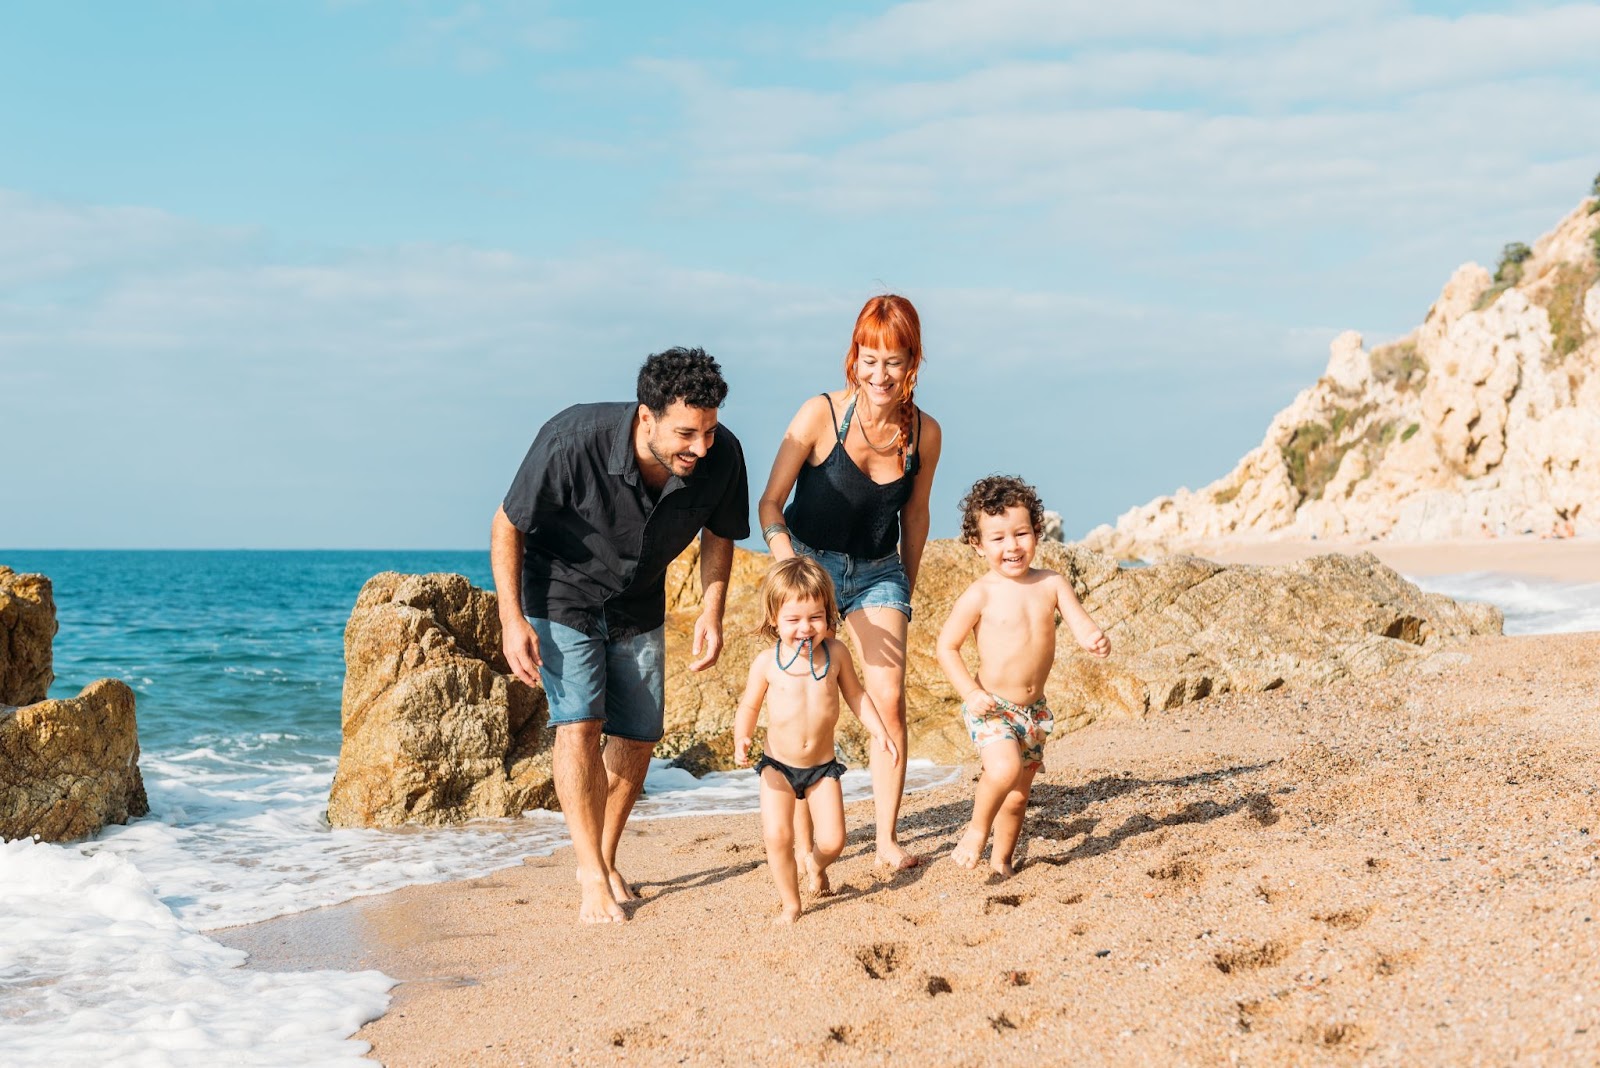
(311, 274)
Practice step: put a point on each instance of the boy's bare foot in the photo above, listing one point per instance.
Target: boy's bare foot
(817, 877)
(969, 848)
(1002, 868)
(787, 916)
(891, 856)
(598, 906)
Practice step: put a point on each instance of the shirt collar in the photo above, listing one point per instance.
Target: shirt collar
(622, 460)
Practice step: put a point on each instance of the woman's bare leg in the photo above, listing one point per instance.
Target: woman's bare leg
(880, 635)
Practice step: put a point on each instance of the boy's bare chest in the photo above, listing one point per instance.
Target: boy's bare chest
(1025, 611)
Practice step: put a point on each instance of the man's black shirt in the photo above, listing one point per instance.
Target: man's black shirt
(596, 541)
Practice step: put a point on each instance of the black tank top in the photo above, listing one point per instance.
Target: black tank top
(838, 508)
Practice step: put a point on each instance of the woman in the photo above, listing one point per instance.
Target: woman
(860, 462)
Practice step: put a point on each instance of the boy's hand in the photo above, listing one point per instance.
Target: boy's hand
(741, 752)
(980, 702)
(1097, 644)
(889, 747)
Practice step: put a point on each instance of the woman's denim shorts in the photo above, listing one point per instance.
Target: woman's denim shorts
(859, 584)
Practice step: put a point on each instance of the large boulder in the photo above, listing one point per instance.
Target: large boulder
(27, 627)
(69, 767)
(1180, 630)
(436, 729)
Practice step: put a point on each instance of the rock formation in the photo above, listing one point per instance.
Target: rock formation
(436, 729)
(1483, 421)
(68, 767)
(27, 628)
(1180, 629)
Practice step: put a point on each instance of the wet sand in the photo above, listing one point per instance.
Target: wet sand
(1566, 560)
(1399, 872)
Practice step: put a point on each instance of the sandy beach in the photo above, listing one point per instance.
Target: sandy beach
(1400, 872)
(1567, 560)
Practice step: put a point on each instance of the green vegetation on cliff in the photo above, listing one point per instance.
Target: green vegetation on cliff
(1399, 365)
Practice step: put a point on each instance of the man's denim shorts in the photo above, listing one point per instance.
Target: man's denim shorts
(620, 681)
(859, 584)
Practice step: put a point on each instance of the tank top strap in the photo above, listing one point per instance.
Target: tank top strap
(849, 413)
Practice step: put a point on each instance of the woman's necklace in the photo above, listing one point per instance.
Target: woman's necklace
(811, 658)
(873, 445)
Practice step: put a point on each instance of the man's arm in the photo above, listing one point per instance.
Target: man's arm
(517, 639)
(716, 564)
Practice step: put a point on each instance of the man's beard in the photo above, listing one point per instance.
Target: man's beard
(664, 459)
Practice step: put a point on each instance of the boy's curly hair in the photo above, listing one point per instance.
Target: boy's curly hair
(689, 375)
(992, 495)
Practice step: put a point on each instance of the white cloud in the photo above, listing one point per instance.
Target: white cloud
(942, 29)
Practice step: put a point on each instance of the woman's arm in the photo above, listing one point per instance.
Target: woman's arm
(914, 516)
(799, 441)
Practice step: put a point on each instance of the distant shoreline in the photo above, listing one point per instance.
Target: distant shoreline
(1565, 559)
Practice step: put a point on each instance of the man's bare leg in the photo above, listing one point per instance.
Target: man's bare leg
(626, 762)
(580, 775)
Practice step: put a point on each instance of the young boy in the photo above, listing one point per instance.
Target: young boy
(1012, 612)
(801, 676)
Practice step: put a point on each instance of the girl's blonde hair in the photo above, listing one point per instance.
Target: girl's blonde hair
(799, 578)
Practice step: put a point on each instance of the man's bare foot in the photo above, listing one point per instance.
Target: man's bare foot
(817, 877)
(891, 856)
(598, 906)
(969, 848)
(789, 914)
(620, 888)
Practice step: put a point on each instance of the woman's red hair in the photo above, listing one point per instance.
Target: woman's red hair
(889, 322)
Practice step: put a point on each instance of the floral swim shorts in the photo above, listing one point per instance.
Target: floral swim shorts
(1028, 727)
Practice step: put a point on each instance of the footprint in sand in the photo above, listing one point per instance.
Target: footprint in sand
(1251, 958)
(881, 959)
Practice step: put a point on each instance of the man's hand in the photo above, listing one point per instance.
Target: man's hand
(741, 752)
(707, 640)
(521, 646)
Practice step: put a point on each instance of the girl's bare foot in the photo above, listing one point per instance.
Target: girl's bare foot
(969, 848)
(789, 914)
(890, 855)
(598, 906)
(817, 877)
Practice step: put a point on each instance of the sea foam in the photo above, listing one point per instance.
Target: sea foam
(96, 969)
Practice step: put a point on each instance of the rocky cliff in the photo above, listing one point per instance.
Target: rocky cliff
(1483, 421)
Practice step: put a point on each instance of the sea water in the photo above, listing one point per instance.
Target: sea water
(236, 659)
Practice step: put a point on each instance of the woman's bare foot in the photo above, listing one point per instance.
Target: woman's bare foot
(969, 848)
(817, 877)
(891, 856)
(789, 914)
(620, 888)
(598, 906)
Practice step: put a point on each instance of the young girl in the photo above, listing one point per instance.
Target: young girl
(801, 677)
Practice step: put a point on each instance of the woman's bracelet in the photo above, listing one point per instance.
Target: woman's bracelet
(772, 530)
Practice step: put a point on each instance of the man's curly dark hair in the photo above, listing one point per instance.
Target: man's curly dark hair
(682, 374)
(992, 495)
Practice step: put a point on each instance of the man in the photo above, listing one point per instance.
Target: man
(606, 498)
